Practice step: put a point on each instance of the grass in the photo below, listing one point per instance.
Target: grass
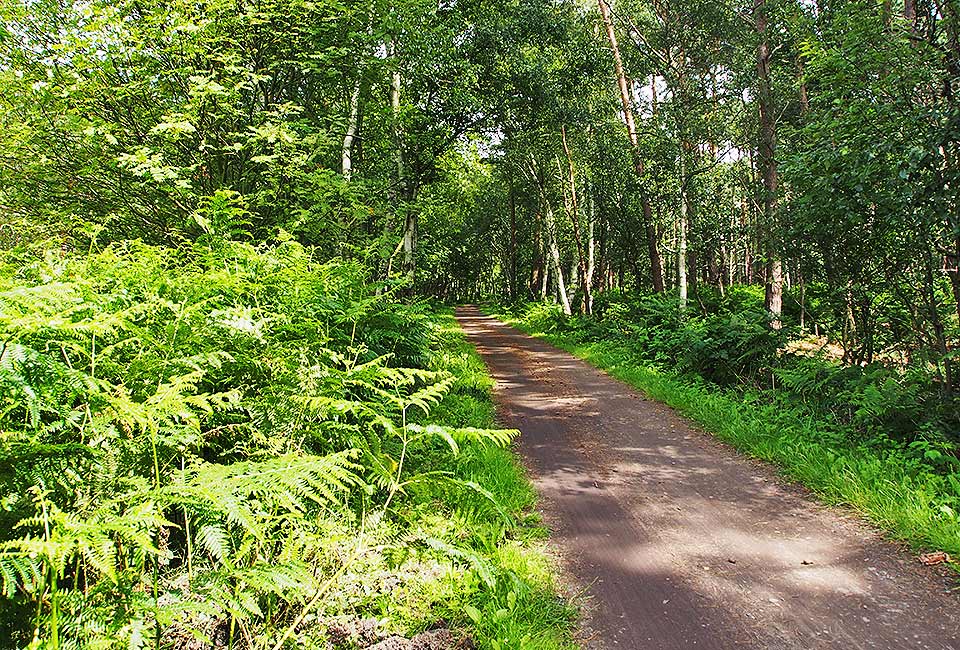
(911, 504)
(520, 608)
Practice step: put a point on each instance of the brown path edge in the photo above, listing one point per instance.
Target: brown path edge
(678, 541)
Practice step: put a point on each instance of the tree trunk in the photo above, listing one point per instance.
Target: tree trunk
(768, 163)
(574, 214)
(910, 11)
(939, 329)
(591, 246)
(682, 254)
(410, 235)
(351, 134)
(403, 194)
(398, 158)
(550, 235)
(803, 306)
(539, 279)
(513, 245)
(656, 264)
(544, 281)
(688, 214)
(551, 228)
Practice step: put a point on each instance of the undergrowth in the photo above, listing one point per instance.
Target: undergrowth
(239, 446)
(860, 442)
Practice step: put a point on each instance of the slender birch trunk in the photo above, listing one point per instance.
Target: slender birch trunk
(682, 280)
(656, 263)
(574, 214)
(551, 228)
(351, 133)
(404, 193)
(591, 243)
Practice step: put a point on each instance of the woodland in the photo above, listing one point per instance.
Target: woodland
(235, 408)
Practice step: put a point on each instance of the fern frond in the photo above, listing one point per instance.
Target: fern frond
(284, 578)
(287, 482)
(429, 396)
(454, 436)
(484, 569)
(213, 539)
(327, 407)
(19, 570)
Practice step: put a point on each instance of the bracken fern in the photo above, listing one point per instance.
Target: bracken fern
(181, 430)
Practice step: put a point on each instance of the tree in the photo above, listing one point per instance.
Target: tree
(656, 265)
(767, 151)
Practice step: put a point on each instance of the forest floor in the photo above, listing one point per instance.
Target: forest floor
(678, 541)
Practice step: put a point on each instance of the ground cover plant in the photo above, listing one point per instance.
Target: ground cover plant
(877, 438)
(239, 445)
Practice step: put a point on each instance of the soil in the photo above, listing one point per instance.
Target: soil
(677, 541)
(367, 633)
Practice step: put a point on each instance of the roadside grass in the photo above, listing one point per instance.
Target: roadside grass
(889, 488)
(511, 598)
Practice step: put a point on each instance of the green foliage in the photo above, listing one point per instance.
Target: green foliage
(732, 345)
(215, 438)
(214, 441)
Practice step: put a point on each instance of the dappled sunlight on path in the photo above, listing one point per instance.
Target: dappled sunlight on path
(683, 543)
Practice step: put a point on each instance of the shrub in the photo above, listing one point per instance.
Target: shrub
(731, 345)
(731, 348)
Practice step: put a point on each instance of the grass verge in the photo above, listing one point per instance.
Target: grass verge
(886, 487)
(512, 600)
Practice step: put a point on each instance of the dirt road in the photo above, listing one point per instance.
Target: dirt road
(679, 541)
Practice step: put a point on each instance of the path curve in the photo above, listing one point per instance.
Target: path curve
(679, 541)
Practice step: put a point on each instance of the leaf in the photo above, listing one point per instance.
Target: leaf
(484, 570)
(475, 615)
(214, 540)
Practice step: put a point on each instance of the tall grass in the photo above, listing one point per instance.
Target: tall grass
(524, 609)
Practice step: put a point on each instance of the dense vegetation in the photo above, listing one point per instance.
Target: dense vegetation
(245, 446)
(227, 412)
(871, 437)
(525, 149)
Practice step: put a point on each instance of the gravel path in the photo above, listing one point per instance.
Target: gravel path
(679, 541)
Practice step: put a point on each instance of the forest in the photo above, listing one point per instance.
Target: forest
(236, 409)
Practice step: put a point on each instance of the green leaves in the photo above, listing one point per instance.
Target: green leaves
(454, 437)
(186, 433)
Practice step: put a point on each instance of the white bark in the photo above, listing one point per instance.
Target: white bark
(409, 240)
(591, 245)
(551, 228)
(351, 134)
(544, 281)
(545, 270)
(395, 84)
(682, 253)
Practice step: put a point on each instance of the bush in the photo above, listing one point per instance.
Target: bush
(727, 347)
(877, 401)
(731, 348)
(731, 345)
